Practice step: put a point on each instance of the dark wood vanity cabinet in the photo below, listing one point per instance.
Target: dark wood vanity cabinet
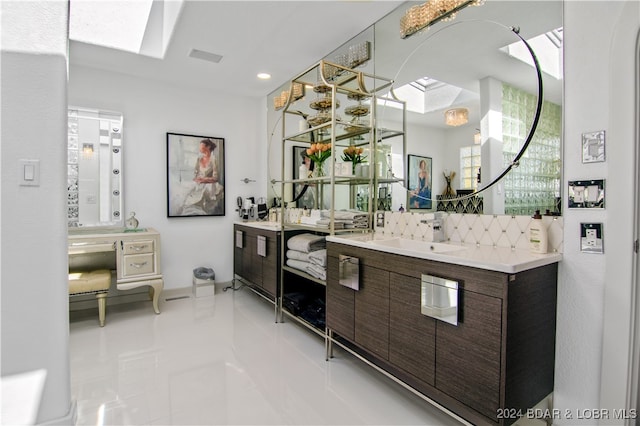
(499, 356)
(371, 321)
(411, 334)
(259, 268)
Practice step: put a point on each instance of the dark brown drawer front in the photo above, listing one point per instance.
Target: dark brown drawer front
(372, 311)
(340, 303)
(468, 355)
(412, 336)
(237, 260)
(270, 267)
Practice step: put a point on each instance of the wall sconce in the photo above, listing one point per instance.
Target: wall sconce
(477, 137)
(420, 17)
(87, 151)
(456, 116)
(279, 101)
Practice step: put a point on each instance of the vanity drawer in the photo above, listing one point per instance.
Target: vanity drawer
(137, 247)
(138, 264)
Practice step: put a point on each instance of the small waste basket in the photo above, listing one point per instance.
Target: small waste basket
(204, 282)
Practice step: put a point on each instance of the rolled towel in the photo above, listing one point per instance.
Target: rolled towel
(317, 271)
(318, 257)
(298, 264)
(297, 255)
(306, 242)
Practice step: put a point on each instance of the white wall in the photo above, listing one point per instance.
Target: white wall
(34, 313)
(150, 111)
(599, 95)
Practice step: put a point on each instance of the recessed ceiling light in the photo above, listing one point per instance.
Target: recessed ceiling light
(264, 76)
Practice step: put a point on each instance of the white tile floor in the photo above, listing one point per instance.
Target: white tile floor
(223, 360)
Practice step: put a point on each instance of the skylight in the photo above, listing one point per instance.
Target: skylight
(427, 95)
(548, 49)
(116, 24)
(139, 26)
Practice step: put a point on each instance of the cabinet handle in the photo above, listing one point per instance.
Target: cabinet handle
(138, 265)
(139, 248)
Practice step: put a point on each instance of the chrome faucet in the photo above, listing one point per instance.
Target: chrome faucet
(436, 226)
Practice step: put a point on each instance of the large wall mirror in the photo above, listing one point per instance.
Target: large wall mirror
(94, 169)
(477, 67)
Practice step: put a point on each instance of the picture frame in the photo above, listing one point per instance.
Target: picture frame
(593, 147)
(297, 162)
(195, 187)
(419, 182)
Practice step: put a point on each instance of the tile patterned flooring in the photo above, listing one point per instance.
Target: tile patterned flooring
(223, 360)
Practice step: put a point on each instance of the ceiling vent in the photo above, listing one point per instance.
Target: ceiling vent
(205, 56)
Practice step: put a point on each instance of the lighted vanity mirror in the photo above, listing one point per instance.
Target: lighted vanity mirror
(94, 168)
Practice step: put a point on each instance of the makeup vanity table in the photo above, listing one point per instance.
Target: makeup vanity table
(134, 254)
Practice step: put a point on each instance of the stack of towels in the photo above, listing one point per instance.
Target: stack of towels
(307, 253)
(346, 219)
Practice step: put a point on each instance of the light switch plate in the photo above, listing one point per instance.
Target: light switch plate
(586, 194)
(29, 172)
(591, 238)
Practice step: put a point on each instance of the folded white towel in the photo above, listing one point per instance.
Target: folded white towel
(298, 264)
(345, 214)
(317, 271)
(297, 255)
(318, 257)
(337, 224)
(309, 220)
(306, 242)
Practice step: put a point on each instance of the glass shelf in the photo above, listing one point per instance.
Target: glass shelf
(322, 133)
(325, 228)
(303, 274)
(338, 180)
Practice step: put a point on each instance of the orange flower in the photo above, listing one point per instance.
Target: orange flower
(354, 154)
(319, 152)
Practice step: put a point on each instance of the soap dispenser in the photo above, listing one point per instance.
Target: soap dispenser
(538, 238)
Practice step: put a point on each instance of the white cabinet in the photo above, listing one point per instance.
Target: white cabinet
(137, 256)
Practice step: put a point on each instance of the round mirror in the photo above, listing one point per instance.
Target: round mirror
(434, 100)
(471, 92)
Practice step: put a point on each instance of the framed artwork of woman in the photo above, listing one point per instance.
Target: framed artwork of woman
(419, 182)
(195, 175)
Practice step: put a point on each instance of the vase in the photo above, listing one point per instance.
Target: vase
(318, 169)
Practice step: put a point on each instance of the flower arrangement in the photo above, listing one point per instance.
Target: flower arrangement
(354, 154)
(318, 153)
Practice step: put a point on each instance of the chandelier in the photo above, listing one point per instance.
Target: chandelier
(456, 116)
(420, 17)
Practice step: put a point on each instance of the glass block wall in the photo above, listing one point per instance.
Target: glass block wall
(535, 183)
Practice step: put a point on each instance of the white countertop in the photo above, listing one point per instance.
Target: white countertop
(499, 259)
(267, 226)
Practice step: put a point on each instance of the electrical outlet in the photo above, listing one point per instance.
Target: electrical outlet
(380, 220)
(591, 240)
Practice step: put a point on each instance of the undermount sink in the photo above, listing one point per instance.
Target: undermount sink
(413, 245)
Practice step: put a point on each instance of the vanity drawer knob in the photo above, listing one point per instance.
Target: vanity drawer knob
(138, 265)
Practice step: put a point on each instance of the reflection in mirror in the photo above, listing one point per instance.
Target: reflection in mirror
(474, 63)
(477, 68)
(94, 169)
